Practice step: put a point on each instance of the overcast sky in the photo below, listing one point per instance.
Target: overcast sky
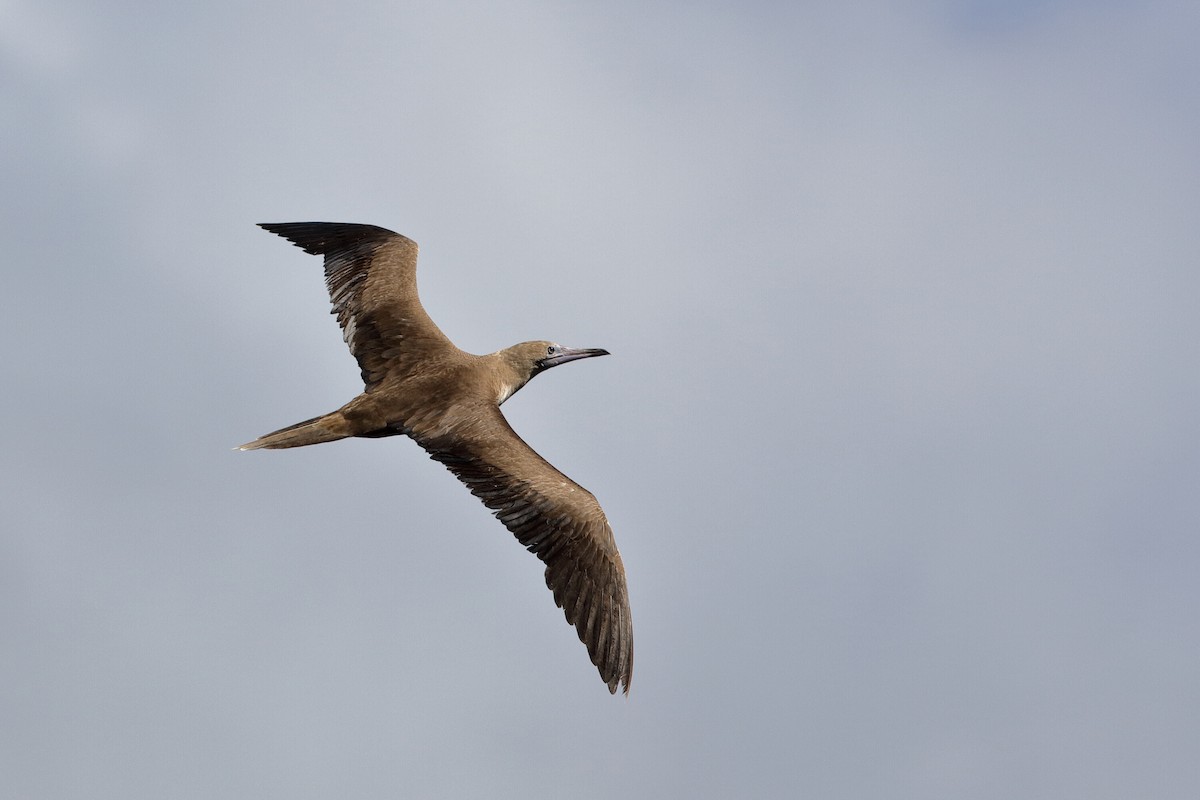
(899, 438)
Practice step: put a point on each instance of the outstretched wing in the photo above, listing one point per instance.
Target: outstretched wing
(557, 520)
(371, 274)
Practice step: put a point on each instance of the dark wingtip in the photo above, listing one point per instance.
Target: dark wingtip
(318, 238)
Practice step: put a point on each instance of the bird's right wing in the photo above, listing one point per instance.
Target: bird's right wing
(557, 520)
(371, 274)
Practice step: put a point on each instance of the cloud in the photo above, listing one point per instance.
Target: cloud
(895, 439)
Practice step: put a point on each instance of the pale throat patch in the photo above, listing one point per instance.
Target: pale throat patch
(506, 391)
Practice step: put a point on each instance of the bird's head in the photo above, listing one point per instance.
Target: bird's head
(527, 359)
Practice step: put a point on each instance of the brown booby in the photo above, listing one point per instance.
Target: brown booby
(448, 401)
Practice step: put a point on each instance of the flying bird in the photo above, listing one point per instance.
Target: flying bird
(417, 383)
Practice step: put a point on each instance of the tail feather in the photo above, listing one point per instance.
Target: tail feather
(327, 428)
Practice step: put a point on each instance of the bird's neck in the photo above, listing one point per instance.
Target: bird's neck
(507, 376)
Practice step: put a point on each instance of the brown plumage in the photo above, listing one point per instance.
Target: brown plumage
(447, 400)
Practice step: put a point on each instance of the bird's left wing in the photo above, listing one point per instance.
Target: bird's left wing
(557, 520)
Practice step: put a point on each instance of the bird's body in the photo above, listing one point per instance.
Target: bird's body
(418, 383)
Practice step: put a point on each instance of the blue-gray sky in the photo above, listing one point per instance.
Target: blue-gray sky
(899, 437)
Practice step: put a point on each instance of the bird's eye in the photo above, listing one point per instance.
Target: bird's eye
(551, 350)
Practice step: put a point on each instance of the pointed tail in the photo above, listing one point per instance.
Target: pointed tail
(327, 428)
